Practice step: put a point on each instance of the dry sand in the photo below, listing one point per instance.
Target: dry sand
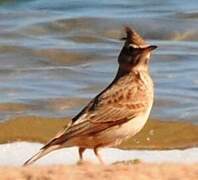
(120, 171)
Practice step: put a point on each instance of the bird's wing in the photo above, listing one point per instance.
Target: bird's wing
(123, 99)
(114, 107)
(104, 118)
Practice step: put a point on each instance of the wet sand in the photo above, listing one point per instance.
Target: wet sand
(175, 134)
(135, 171)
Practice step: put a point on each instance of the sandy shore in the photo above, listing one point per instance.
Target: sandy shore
(61, 165)
(126, 171)
(172, 162)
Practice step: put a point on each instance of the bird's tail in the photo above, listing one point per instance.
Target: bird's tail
(40, 154)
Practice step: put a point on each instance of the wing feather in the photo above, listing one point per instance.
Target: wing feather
(115, 106)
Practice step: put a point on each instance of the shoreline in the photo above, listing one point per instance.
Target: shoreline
(19, 152)
(175, 135)
(119, 164)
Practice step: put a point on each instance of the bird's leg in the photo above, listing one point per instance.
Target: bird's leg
(98, 155)
(80, 151)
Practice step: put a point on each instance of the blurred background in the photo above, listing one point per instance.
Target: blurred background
(57, 55)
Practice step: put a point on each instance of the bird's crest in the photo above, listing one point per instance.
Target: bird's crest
(132, 37)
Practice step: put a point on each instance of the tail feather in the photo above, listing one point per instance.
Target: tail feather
(40, 154)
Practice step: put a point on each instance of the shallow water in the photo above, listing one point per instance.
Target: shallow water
(54, 57)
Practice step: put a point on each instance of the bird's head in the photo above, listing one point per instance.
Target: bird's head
(136, 52)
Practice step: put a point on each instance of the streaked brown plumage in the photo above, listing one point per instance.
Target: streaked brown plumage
(119, 111)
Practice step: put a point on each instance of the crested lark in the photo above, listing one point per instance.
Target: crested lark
(119, 111)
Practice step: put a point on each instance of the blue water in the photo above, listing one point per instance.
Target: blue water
(56, 55)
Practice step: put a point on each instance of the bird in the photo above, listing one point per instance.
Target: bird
(119, 111)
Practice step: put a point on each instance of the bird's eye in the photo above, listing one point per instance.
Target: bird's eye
(131, 47)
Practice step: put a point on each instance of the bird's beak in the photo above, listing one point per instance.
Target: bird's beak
(151, 48)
